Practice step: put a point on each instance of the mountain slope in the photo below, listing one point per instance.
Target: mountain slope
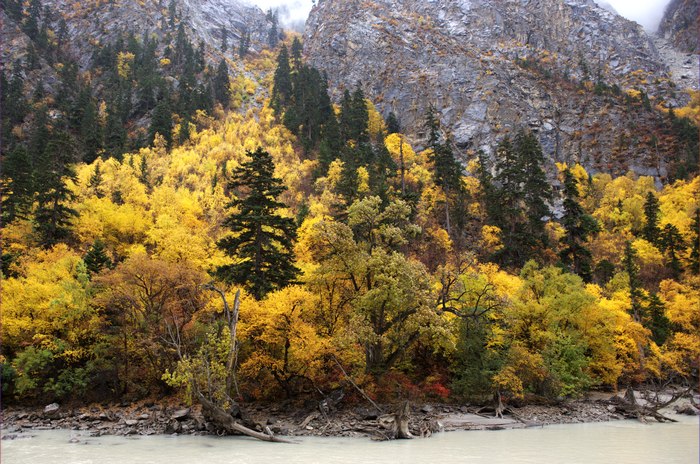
(90, 23)
(681, 26)
(124, 62)
(490, 66)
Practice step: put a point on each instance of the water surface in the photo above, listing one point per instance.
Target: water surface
(601, 443)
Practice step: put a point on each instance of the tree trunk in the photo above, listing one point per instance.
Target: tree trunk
(630, 408)
(233, 353)
(500, 407)
(214, 413)
(401, 418)
(357, 387)
(223, 420)
(232, 321)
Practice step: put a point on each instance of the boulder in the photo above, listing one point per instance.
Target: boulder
(52, 410)
(366, 414)
(688, 410)
(181, 414)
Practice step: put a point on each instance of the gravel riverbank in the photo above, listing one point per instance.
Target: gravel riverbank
(150, 418)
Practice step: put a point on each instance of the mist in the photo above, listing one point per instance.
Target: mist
(292, 13)
(648, 13)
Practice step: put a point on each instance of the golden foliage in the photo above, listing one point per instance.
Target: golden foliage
(125, 61)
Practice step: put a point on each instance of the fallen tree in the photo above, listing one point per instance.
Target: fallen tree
(653, 400)
(224, 421)
(211, 377)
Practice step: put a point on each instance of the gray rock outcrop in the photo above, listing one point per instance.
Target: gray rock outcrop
(560, 67)
(681, 25)
(92, 23)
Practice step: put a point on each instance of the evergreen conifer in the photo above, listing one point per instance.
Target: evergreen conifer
(672, 243)
(222, 90)
(262, 239)
(96, 258)
(651, 231)
(282, 82)
(695, 244)
(578, 226)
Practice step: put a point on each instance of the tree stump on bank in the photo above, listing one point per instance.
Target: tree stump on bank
(401, 418)
(629, 407)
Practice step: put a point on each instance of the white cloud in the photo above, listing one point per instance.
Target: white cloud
(291, 12)
(648, 13)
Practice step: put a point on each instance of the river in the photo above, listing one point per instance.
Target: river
(612, 442)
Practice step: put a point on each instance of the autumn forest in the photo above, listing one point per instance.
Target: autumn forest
(350, 249)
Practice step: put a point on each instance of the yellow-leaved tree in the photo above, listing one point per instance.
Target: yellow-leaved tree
(282, 349)
(50, 332)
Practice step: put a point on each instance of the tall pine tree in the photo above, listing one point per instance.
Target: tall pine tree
(578, 226)
(505, 207)
(537, 191)
(695, 245)
(273, 35)
(631, 267)
(96, 258)
(282, 82)
(53, 215)
(222, 89)
(262, 239)
(518, 198)
(447, 172)
(91, 132)
(244, 44)
(17, 184)
(651, 231)
(162, 121)
(297, 50)
(671, 242)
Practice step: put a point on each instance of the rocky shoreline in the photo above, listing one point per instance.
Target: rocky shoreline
(152, 418)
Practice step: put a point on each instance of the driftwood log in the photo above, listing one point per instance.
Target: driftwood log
(629, 407)
(224, 421)
(214, 413)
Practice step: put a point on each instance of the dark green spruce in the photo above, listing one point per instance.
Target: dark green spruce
(517, 199)
(222, 90)
(631, 266)
(695, 245)
(579, 226)
(447, 172)
(261, 239)
(53, 214)
(282, 82)
(96, 258)
(651, 231)
(672, 244)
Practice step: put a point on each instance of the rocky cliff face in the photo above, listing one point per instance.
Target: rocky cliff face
(559, 67)
(67, 54)
(90, 23)
(681, 25)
